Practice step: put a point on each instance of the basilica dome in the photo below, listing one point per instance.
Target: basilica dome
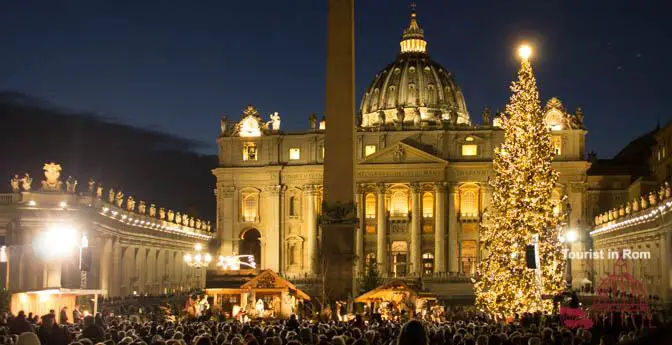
(413, 89)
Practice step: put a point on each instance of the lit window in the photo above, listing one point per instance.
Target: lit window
(557, 145)
(249, 152)
(428, 264)
(323, 125)
(468, 257)
(294, 153)
(469, 150)
(249, 207)
(557, 127)
(369, 150)
(370, 206)
(664, 152)
(370, 229)
(427, 228)
(293, 206)
(469, 203)
(322, 152)
(469, 139)
(399, 204)
(428, 205)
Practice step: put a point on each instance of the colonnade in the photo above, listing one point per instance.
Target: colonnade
(127, 268)
(445, 222)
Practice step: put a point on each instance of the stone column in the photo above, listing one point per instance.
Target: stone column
(311, 224)
(271, 238)
(381, 232)
(666, 266)
(106, 264)
(359, 233)
(225, 219)
(452, 230)
(416, 231)
(440, 228)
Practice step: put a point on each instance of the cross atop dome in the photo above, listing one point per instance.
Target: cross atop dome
(413, 39)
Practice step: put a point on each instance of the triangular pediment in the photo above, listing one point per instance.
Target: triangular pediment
(402, 153)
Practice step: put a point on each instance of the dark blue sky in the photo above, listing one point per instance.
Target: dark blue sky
(177, 66)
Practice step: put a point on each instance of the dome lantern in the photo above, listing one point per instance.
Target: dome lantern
(413, 39)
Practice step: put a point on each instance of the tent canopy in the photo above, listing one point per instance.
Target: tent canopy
(395, 290)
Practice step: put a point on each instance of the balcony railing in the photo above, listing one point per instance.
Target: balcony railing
(9, 198)
(469, 217)
(249, 219)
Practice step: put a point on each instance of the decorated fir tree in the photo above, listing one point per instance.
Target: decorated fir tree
(521, 210)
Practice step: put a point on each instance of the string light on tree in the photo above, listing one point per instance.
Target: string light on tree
(522, 209)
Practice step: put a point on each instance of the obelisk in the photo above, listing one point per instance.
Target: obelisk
(338, 218)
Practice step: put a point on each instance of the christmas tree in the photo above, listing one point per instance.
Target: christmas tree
(522, 210)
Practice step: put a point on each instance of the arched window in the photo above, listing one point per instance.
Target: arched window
(293, 206)
(370, 206)
(399, 204)
(391, 97)
(428, 205)
(374, 100)
(370, 262)
(411, 94)
(431, 94)
(469, 203)
(428, 264)
(468, 257)
(399, 258)
(249, 207)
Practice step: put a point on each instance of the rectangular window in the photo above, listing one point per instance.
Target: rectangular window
(294, 153)
(249, 152)
(369, 150)
(427, 228)
(370, 229)
(469, 150)
(557, 145)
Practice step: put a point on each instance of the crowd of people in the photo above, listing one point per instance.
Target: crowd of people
(457, 327)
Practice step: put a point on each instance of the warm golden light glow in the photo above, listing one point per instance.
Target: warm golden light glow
(198, 247)
(525, 51)
(294, 153)
(369, 150)
(469, 150)
(249, 127)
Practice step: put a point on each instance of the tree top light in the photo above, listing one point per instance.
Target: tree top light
(524, 51)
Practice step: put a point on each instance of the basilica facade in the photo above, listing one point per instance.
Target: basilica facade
(422, 170)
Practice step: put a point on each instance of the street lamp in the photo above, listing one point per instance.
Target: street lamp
(197, 260)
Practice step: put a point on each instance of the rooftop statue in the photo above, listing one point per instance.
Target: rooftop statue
(152, 210)
(14, 183)
(274, 122)
(27, 182)
(71, 185)
(119, 199)
(99, 191)
(92, 184)
(130, 204)
(52, 173)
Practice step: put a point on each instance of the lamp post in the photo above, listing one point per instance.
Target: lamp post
(197, 260)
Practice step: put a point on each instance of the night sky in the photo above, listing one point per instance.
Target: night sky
(177, 66)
